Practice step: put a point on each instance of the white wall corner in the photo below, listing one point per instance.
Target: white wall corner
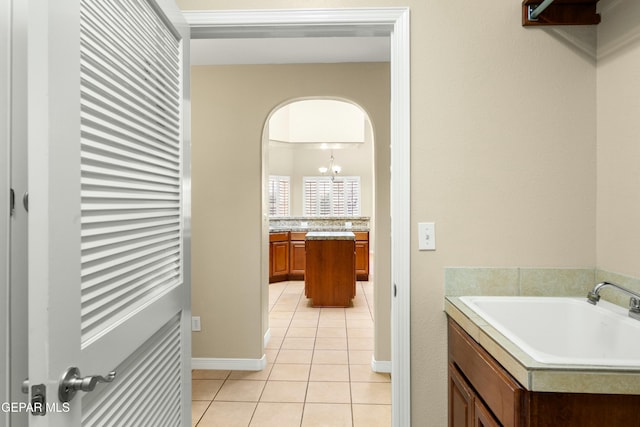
(381, 366)
(224, 364)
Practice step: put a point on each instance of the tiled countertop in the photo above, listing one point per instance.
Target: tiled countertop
(536, 376)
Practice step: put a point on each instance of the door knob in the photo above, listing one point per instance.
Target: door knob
(71, 382)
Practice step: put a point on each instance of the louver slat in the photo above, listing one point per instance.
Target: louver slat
(131, 238)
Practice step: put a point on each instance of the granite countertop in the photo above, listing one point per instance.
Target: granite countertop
(330, 235)
(316, 228)
(536, 376)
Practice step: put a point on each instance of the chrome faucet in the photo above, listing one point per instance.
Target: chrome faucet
(634, 302)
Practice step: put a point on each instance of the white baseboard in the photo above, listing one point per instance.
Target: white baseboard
(382, 366)
(222, 364)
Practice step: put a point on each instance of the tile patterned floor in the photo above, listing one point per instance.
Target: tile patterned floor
(318, 370)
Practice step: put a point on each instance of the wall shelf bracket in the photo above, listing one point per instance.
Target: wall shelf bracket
(559, 12)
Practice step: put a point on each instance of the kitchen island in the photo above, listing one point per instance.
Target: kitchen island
(330, 258)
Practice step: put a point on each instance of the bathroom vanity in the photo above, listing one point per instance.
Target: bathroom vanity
(492, 382)
(330, 275)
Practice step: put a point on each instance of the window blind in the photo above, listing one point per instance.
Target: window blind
(279, 200)
(326, 197)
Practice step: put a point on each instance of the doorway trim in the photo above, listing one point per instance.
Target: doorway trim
(391, 22)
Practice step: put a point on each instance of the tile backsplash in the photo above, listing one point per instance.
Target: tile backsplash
(574, 282)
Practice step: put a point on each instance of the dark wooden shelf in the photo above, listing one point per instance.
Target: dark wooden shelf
(562, 12)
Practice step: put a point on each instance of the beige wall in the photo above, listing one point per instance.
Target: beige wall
(230, 106)
(618, 239)
(503, 149)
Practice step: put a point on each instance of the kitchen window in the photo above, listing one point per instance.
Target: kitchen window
(331, 196)
(279, 200)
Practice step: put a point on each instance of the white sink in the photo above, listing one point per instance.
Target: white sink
(557, 330)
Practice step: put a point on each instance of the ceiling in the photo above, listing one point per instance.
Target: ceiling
(289, 50)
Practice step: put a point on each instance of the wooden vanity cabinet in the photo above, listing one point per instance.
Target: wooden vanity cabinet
(482, 393)
(278, 256)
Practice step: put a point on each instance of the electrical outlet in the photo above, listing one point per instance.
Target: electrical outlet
(195, 323)
(426, 236)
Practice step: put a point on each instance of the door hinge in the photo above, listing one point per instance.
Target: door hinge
(12, 201)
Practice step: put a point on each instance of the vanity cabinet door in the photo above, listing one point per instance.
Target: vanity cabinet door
(482, 416)
(461, 400)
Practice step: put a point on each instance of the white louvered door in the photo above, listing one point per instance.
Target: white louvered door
(108, 210)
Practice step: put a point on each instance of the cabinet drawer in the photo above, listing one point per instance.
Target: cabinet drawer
(361, 235)
(298, 235)
(282, 236)
(491, 382)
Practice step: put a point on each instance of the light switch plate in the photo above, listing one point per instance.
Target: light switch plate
(195, 323)
(426, 236)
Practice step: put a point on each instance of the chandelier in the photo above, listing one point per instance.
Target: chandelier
(333, 168)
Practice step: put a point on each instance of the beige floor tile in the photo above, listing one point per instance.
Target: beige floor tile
(329, 392)
(279, 323)
(331, 332)
(284, 307)
(290, 372)
(360, 357)
(198, 408)
(305, 306)
(228, 414)
(326, 415)
(294, 356)
(240, 391)
(287, 315)
(252, 375)
(331, 323)
(284, 391)
(329, 372)
(298, 343)
(205, 389)
(360, 343)
(209, 374)
(331, 357)
(304, 323)
(356, 332)
(277, 332)
(274, 343)
(359, 314)
(371, 393)
(363, 373)
(371, 415)
(271, 354)
(359, 323)
(324, 343)
(306, 315)
(277, 415)
(301, 332)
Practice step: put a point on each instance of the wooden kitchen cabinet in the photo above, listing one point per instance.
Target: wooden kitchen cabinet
(362, 255)
(482, 393)
(278, 257)
(330, 279)
(296, 256)
(289, 263)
